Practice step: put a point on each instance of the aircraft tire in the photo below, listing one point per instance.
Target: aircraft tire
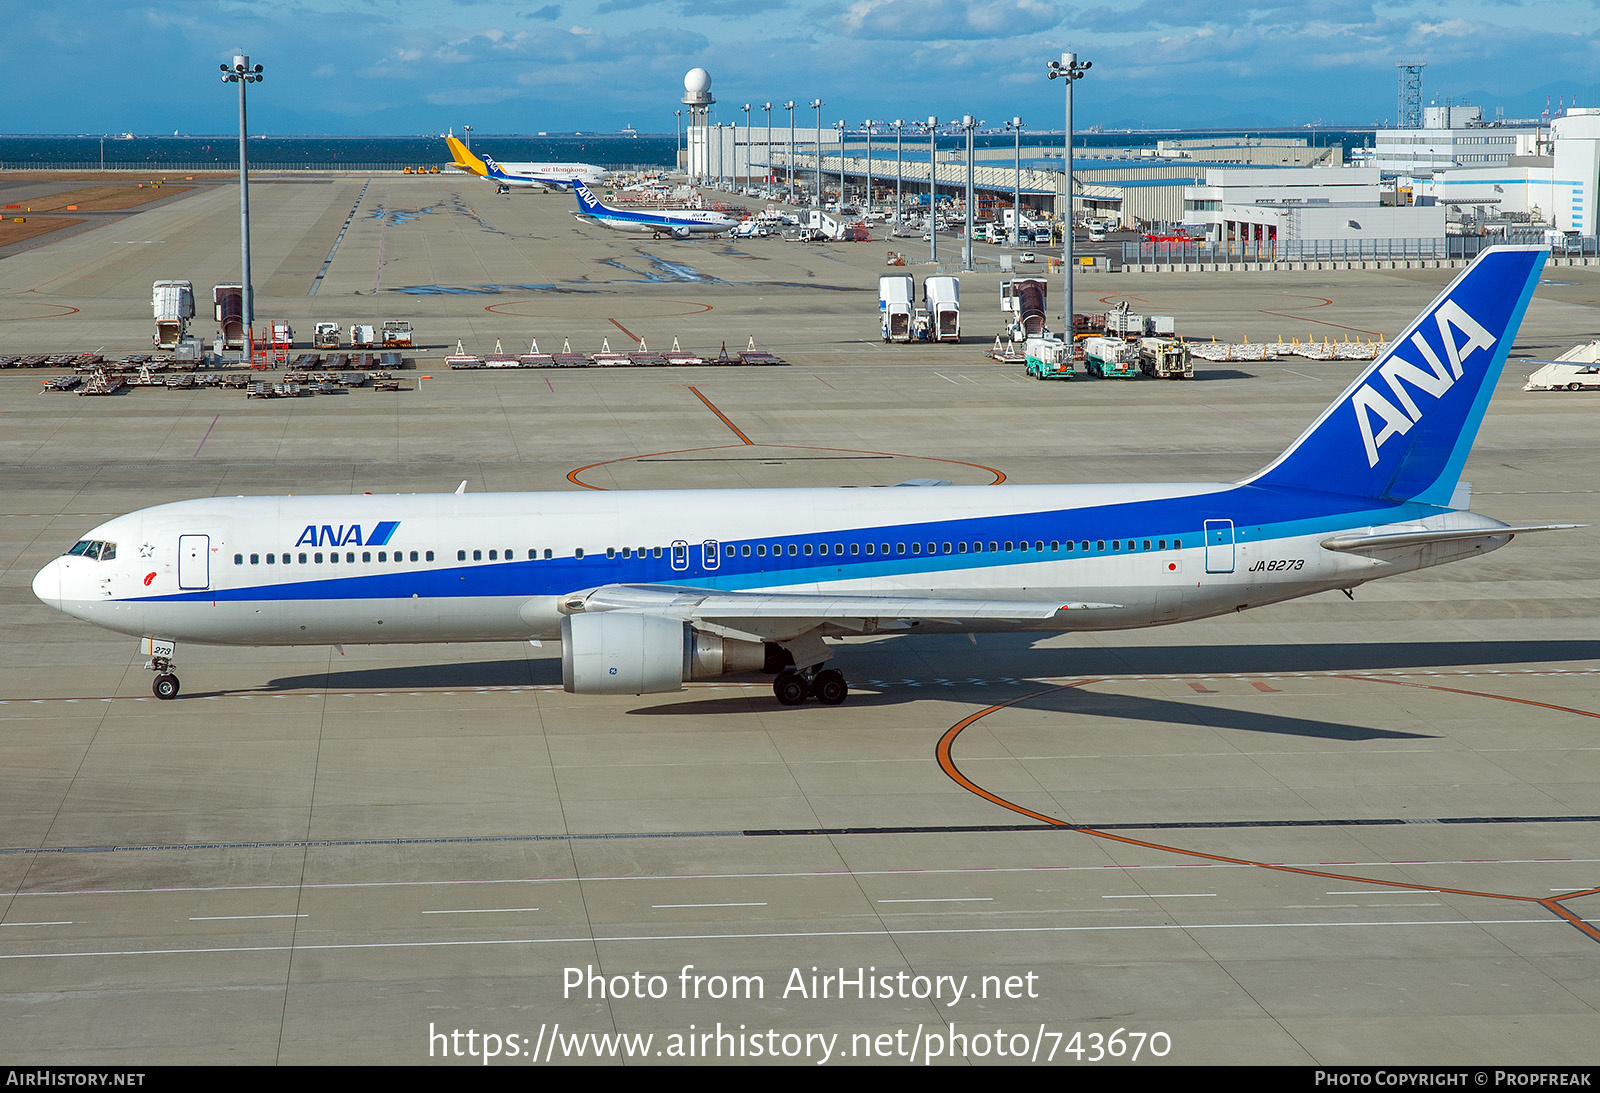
(790, 688)
(830, 687)
(165, 687)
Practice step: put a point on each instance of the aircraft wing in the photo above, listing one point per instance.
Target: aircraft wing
(781, 615)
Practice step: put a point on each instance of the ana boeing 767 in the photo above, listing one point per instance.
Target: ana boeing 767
(678, 223)
(647, 590)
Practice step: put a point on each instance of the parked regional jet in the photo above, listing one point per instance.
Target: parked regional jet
(523, 176)
(647, 590)
(678, 223)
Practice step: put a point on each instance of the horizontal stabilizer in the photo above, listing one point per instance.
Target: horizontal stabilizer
(1355, 542)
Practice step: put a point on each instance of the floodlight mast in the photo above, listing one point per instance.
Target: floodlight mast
(1070, 69)
(816, 104)
(241, 73)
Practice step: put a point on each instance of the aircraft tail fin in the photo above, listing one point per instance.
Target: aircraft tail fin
(588, 204)
(464, 159)
(1402, 430)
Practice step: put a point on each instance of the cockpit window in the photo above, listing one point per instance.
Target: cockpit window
(94, 548)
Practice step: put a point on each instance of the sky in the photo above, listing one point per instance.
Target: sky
(408, 67)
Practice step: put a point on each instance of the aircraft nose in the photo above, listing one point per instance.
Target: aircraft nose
(47, 583)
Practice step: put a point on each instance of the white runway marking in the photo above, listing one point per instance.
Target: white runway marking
(944, 899)
(832, 874)
(592, 939)
(237, 918)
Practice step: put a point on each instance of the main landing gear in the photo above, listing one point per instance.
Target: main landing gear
(794, 686)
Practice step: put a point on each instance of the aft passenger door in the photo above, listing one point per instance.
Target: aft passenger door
(1219, 546)
(194, 562)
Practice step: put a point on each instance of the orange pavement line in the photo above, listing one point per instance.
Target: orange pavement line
(719, 413)
(947, 764)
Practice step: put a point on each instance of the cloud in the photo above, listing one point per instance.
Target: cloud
(923, 20)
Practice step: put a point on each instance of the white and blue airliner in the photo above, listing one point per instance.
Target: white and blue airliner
(678, 223)
(548, 177)
(647, 590)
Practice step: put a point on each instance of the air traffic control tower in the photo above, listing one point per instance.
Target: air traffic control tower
(698, 98)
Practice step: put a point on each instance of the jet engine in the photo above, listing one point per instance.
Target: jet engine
(622, 653)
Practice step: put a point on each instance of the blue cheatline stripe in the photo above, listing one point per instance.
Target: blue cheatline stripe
(1258, 514)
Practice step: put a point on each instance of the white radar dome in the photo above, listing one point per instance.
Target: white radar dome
(697, 81)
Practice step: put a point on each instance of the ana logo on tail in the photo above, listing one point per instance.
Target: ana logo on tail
(1367, 402)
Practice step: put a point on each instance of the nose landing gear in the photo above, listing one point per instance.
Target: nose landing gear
(160, 662)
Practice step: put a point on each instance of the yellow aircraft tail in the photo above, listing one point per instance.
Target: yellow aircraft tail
(465, 160)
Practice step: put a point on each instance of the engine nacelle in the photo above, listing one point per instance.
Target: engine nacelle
(622, 653)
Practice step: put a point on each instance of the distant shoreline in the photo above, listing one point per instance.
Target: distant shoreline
(628, 152)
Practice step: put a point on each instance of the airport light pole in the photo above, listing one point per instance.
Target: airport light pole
(241, 73)
(466, 133)
(933, 193)
(867, 127)
(677, 154)
(767, 144)
(839, 125)
(817, 106)
(1070, 69)
(899, 168)
(969, 123)
(789, 106)
(746, 109)
(1015, 125)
